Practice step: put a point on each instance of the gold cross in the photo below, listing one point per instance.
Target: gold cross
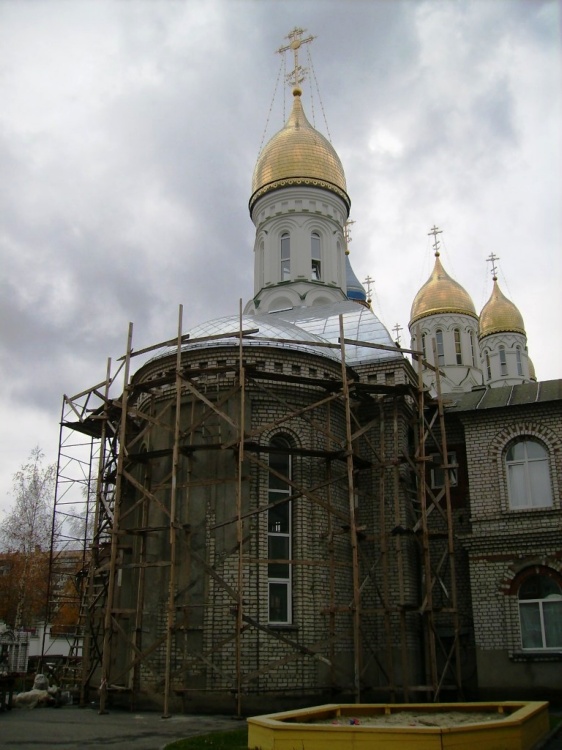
(435, 231)
(492, 259)
(298, 74)
(347, 234)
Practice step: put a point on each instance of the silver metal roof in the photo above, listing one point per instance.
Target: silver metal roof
(359, 322)
(299, 329)
(271, 332)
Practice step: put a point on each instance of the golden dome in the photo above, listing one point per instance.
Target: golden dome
(499, 315)
(298, 155)
(441, 294)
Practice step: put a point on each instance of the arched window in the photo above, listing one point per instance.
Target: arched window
(279, 533)
(472, 348)
(528, 474)
(518, 358)
(540, 612)
(260, 263)
(440, 349)
(285, 256)
(316, 269)
(458, 351)
(488, 367)
(424, 345)
(503, 361)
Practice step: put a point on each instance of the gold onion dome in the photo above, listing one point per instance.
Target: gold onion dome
(441, 294)
(499, 315)
(298, 155)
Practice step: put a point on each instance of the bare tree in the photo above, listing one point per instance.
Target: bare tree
(26, 531)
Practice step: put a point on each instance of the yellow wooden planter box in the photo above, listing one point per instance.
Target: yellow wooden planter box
(519, 726)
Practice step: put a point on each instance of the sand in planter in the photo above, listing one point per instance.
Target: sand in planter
(416, 719)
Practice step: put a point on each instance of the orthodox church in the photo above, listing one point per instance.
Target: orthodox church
(471, 350)
(298, 508)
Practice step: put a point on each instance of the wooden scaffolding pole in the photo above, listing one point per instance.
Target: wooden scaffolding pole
(454, 652)
(426, 611)
(352, 524)
(171, 624)
(108, 620)
(94, 551)
(239, 528)
(400, 559)
(384, 551)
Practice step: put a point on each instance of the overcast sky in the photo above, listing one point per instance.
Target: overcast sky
(128, 136)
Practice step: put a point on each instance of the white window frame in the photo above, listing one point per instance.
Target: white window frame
(519, 473)
(458, 346)
(519, 362)
(274, 494)
(440, 348)
(438, 474)
(538, 606)
(315, 257)
(503, 361)
(285, 256)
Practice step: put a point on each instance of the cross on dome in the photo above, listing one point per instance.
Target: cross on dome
(492, 259)
(298, 74)
(435, 231)
(347, 234)
(369, 281)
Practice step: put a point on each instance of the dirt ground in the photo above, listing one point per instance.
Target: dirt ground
(72, 727)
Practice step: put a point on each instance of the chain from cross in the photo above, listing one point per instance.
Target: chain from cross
(435, 231)
(298, 74)
(492, 259)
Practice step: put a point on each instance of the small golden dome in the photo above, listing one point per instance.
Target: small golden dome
(298, 155)
(499, 315)
(441, 294)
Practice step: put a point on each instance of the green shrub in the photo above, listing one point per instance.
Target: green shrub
(235, 740)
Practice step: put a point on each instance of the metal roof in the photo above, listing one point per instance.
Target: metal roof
(300, 329)
(360, 324)
(509, 395)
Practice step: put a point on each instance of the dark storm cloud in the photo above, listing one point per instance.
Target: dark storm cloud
(128, 136)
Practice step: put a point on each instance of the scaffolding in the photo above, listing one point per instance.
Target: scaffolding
(371, 448)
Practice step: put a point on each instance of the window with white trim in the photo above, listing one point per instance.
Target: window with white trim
(285, 256)
(472, 348)
(316, 268)
(518, 358)
(279, 535)
(440, 348)
(503, 361)
(488, 366)
(528, 474)
(458, 349)
(438, 472)
(540, 613)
